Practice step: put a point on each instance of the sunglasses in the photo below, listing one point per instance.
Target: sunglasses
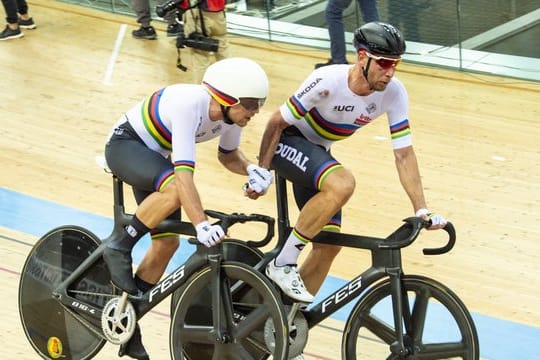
(251, 104)
(384, 62)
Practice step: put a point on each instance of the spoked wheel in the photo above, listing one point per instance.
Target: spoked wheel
(440, 326)
(54, 331)
(255, 304)
(233, 250)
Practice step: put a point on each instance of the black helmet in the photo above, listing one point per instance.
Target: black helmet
(379, 38)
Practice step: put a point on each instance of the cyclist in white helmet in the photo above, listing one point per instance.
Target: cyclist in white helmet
(152, 148)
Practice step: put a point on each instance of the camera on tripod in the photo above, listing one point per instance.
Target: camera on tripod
(197, 40)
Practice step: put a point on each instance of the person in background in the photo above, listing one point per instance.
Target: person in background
(330, 105)
(336, 30)
(17, 18)
(206, 17)
(144, 17)
(152, 147)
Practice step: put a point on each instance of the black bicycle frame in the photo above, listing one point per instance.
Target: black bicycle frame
(202, 257)
(385, 262)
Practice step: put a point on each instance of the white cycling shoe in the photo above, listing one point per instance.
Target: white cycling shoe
(290, 282)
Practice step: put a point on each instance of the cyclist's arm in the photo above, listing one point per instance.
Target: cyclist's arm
(235, 161)
(409, 176)
(189, 196)
(270, 138)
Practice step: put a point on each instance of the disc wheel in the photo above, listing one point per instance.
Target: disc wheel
(439, 326)
(253, 301)
(52, 330)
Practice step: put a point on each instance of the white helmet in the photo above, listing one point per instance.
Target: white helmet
(230, 79)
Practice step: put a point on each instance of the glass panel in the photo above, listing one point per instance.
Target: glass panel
(491, 36)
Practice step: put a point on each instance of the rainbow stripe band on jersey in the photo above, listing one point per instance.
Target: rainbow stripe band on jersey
(324, 128)
(152, 121)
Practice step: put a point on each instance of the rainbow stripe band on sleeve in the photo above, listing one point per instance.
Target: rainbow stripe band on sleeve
(184, 165)
(400, 129)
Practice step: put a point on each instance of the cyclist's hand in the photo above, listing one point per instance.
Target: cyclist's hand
(260, 179)
(209, 235)
(437, 220)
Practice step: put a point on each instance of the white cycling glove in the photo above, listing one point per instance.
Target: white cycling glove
(209, 235)
(260, 178)
(435, 219)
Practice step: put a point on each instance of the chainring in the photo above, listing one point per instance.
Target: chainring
(118, 328)
(298, 334)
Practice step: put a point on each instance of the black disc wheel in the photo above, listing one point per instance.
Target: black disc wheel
(54, 331)
(438, 326)
(248, 303)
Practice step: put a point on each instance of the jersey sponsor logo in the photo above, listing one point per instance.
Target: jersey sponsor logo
(216, 129)
(347, 108)
(293, 155)
(362, 120)
(308, 88)
(371, 108)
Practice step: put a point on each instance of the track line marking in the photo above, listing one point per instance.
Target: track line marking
(114, 55)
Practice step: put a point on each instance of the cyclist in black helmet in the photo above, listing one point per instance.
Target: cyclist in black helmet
(330, 105)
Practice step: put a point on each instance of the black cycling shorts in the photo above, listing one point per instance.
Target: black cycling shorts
(137, 165)
(305, 165)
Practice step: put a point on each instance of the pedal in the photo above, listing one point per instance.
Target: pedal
(118, 320)
(298, 333)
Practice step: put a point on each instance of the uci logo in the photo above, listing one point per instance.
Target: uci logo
(347, 108)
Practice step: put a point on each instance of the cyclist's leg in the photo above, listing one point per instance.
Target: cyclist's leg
(157, 258)
(137, 165)
(163, 246)
(317, 264)
(322, 186)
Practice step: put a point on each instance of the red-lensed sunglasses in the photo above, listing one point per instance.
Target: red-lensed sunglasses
(384, 62)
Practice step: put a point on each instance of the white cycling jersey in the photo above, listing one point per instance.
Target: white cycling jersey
(325, 110)
(175, 118)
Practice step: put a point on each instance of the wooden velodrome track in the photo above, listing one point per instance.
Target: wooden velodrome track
(476, 138)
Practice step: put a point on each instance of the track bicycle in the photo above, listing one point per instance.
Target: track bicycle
(396, 315)
(69, 308)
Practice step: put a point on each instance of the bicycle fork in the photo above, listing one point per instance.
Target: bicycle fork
(221, 302)
(402, 315)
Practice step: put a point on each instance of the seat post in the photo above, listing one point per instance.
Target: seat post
(282, 208)
(118, 191)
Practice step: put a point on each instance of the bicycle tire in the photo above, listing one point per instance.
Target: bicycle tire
(442, 327)
(53, 330)
(192, 335)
